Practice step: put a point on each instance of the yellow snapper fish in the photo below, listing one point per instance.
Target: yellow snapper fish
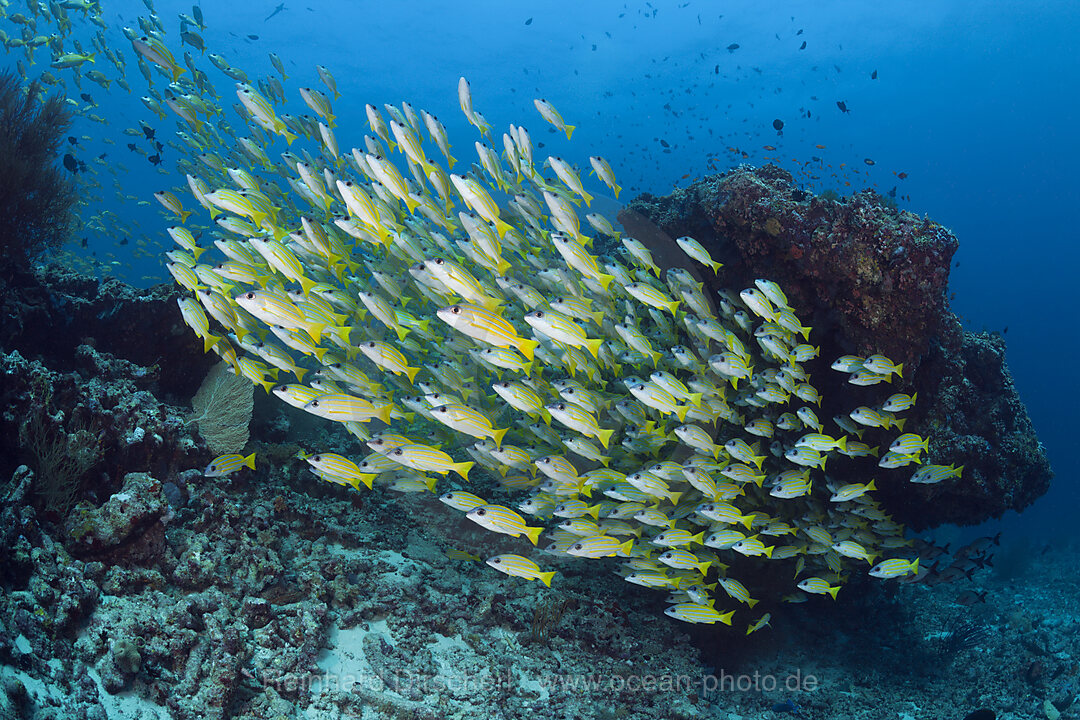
(326, 250)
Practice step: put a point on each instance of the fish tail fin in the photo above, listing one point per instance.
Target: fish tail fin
(871, 486)
(183, 215)
(681, 411)
(410, 372)
(900, 423)
(315, 330)
(498, 436)
(546, 577)
(899, 370)
(569, 130)
(501, 226)
(769, 551)
(298, 372)
(674, 497)
(627, 546)
(605, 437)
(672, 306)
(383, 413)
(593, 346)
(617, 188)
(533, 533)
(587, 198)
(842, 443)
(914, 395)
(526, 347)
(249, 461)
(289, 137)
(833, 590)
(751, 602)
(462, 469)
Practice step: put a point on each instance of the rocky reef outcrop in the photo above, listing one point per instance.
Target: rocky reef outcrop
(871, 279)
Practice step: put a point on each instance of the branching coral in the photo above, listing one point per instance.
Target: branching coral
(36, 199)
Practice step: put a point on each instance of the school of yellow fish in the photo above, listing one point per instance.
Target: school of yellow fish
(455, 319)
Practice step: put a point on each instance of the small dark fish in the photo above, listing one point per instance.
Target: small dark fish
(73, 140)
(253, 37)
(868, 161)
(800, 32)
(873, 75)
(154, 159)
(86, 98)
(102, 156)
(529, 21)
(158, 146)
(123, 242)
(278, 9)
(664, 143)
(843, 106)
(71, 163)
(778, 125)
(82, 242)
(803, 46)
(902, 176)
(131, 147)
(733, 47)
(716, 70)
(788, 706)
(892, 193)
(148, 132)
(970, 597)
(1005, 331)
(82, 166)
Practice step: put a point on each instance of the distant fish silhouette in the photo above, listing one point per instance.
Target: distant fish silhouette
(843, 106)
(873, 75)
(71, 163)
(278, 9)
(733, 47)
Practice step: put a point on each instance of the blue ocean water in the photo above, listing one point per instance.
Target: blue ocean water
(964, 112)
(974, 102)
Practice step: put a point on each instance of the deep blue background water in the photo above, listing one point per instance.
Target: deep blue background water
(976, 101)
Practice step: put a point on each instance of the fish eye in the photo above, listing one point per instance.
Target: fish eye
(481, 511)
(560, 406)
(576, 546)
(371, 344)
(495, 561)
(314, 403)
(539, 313)
(317, 458)
(250, 296)
(456, 309)
(398, 452)
(439, 261)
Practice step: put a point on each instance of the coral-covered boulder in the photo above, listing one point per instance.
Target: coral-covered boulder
(870, 279)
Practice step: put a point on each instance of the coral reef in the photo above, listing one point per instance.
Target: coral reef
(870, 278)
